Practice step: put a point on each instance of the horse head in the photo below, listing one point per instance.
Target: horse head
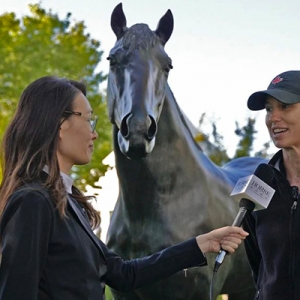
(137, 80)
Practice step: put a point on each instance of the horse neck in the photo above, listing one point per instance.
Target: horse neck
(177, 149)
(173, 120)
(174, 134)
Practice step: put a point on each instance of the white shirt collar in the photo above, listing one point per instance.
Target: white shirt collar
(67, 180)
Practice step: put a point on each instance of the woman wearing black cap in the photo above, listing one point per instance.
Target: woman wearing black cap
(273, 246)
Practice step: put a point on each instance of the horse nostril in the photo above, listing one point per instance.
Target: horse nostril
(124, 126)
(131, 124)
(152, 129)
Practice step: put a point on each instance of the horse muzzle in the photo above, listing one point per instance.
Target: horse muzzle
(136, 136)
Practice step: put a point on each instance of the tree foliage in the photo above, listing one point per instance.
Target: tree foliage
(216, 150)
(42, 44)
(246, 133)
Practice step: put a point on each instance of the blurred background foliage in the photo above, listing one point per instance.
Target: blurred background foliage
(41, 44)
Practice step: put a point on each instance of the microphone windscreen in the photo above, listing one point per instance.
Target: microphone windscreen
(248, 204)
(265, 172)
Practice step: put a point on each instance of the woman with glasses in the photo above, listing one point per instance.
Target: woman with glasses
(49, 250)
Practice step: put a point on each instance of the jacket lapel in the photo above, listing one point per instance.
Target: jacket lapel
(84, 223)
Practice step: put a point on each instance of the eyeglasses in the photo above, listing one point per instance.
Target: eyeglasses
(92, 119)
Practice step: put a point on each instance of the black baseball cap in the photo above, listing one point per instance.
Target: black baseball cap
(285, 87)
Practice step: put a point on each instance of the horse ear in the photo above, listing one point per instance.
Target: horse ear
(165, 26)
(118, 21)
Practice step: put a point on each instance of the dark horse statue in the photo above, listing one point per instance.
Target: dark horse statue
(169, 190)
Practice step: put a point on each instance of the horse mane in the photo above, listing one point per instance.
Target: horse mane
(139, 36)
(183, 118)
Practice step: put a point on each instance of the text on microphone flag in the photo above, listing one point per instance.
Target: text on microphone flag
(253, 188)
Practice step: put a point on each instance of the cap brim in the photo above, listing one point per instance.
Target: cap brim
(257, 100)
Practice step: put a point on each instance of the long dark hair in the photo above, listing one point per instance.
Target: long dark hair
(31, 141)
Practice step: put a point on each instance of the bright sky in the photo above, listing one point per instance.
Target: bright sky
(222, 50)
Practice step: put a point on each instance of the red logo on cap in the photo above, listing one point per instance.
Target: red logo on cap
(276, 80)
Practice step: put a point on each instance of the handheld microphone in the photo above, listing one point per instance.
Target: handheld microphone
(256, 187)
(253, 191)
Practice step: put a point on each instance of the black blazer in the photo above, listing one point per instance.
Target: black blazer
(45, 256)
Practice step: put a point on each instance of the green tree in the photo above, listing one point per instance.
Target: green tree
(247, 137)
(246, 133)
(42, 44)
(216, 150)
(219, 154)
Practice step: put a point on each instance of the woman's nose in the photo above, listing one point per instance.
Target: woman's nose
(275, 115)
(95, 135)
